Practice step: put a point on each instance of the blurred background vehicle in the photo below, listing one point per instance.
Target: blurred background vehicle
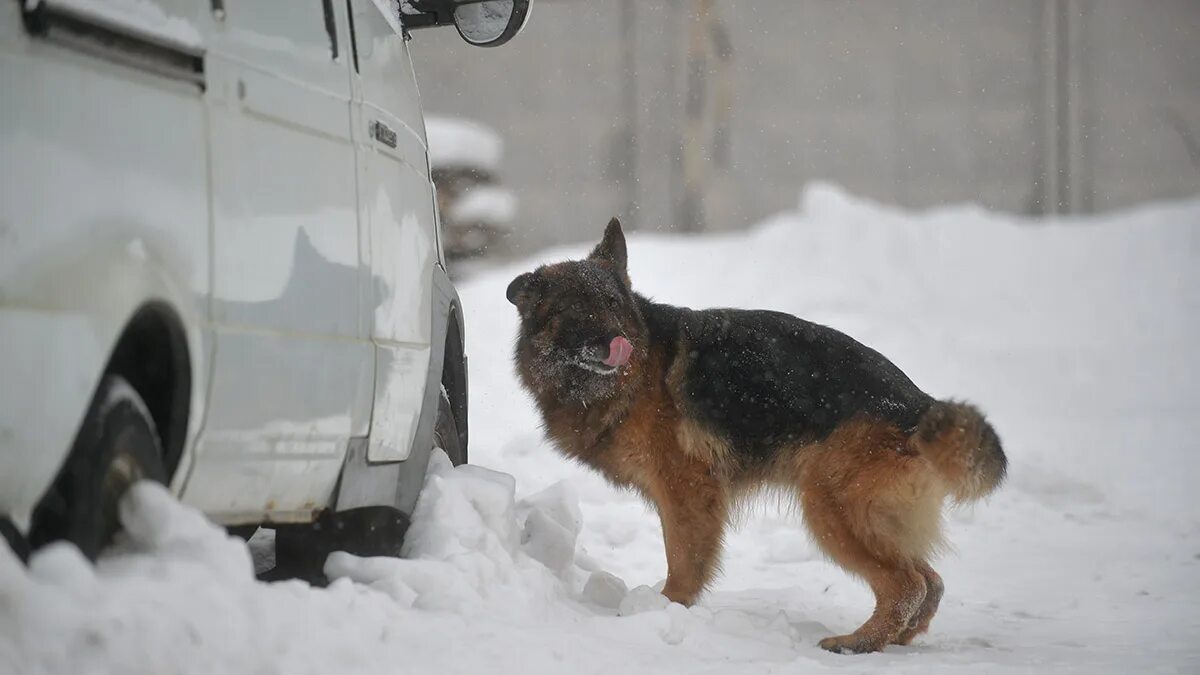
(464, 160)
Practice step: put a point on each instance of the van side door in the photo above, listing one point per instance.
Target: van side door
(397, 203)
(292, 375)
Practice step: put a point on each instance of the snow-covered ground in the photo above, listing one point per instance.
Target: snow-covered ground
(1078, 337)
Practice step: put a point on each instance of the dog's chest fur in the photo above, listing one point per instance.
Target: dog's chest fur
(624, 437)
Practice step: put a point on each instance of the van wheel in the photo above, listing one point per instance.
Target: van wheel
(117, 446)
(445, 432)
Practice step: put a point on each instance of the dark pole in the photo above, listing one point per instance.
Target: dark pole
(629, 160)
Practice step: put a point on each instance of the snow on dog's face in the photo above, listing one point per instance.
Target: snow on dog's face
(579, 323)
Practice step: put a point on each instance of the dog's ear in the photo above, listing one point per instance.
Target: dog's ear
(519, 289)
(611, 249)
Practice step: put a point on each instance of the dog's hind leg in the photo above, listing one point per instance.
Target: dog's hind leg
(876, 511)
(900, 590)
(933, 596)
(694, 508)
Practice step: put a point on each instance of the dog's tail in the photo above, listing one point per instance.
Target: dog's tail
(962, 447)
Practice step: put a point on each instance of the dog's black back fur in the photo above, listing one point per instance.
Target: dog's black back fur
(762, 378)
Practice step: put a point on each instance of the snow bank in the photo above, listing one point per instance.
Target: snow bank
(487, 577)
(473, 545)
(1076, 335)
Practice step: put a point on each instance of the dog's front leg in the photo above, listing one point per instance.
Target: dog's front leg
(693, 507)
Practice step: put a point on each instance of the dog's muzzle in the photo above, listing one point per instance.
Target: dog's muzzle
(619, 351)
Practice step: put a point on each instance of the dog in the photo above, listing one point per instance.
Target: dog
(697, 409)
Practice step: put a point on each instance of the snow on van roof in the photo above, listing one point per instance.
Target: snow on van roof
(145, 17)
(462, 143)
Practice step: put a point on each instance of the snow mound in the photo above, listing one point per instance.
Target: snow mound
(472, 544)
(174, 581)
(179, 595)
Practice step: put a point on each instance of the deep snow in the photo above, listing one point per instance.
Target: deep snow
(1076, 336)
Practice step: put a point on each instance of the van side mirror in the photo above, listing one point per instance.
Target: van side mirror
(483, 23)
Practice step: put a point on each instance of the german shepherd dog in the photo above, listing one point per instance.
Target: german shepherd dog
(695, 409)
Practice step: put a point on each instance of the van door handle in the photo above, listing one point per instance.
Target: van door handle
(383, 133)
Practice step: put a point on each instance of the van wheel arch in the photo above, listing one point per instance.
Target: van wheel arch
(152, 355)
(117, 446)
(454, 374)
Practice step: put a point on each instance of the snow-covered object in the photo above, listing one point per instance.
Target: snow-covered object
(642, 599)
(1077, 336)
(143, 16)
(486, 205)
(391, 10)
(552, 522)
(456, 143)
(605, 589)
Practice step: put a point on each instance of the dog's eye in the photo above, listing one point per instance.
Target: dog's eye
(614, 303)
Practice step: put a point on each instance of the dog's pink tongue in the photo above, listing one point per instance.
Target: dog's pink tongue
(619, 351)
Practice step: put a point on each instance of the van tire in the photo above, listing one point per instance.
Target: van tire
(117, 446)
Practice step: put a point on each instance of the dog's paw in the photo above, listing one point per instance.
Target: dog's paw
(907, 635)
(850, 644)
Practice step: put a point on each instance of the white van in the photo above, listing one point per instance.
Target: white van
(220, 263)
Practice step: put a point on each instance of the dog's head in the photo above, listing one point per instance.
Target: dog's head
(581, 331)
